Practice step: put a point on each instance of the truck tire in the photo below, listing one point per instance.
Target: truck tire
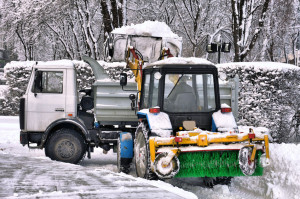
(66, 145)
(142, 154)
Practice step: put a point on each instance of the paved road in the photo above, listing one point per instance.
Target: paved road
(26, 177)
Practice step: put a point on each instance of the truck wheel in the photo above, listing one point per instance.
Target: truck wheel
(66, 145)
(141, 153)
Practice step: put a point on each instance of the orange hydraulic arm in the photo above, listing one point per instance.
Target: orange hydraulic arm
(135, 63)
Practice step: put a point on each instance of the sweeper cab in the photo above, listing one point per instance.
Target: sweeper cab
(184, 131)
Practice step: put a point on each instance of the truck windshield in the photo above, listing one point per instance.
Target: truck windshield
(189, 93)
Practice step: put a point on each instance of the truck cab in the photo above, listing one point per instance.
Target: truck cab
(188, 93)
(51, 95)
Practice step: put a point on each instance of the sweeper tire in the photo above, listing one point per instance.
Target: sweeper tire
(141, 153)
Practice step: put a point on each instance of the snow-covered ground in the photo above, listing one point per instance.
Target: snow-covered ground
(27, 173)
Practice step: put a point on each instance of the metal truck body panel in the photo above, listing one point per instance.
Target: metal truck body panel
(112, 103)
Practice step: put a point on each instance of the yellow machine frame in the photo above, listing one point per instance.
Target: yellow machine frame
(202, 140)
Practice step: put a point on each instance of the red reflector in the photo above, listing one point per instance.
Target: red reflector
(178, 139)
(225, 110)
(251, 136)
(154, 110)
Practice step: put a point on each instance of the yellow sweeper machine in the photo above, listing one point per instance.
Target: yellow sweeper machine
(183, 130)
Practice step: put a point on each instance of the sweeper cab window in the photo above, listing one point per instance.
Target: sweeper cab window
(150, 91)
(189, 93)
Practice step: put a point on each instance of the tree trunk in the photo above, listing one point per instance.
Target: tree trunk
(235, 31)
(106, 18)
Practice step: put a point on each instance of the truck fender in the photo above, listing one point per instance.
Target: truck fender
(74, 122)
(223, 122)
(126, 145)
(158, 123)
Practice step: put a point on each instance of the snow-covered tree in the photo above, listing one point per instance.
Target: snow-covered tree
(248, 20)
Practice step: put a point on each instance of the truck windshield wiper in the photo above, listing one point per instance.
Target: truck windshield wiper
(175, 85)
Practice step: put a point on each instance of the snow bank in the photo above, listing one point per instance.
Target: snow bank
(280, 179)
(148, 28)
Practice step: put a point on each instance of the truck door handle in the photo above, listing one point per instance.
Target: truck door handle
(59, 110)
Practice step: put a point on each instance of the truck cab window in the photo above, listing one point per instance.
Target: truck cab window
(48, 82)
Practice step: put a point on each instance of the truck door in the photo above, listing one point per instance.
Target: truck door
(46, 99)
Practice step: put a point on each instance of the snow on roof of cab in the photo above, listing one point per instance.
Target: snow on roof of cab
(259, 65)
(148, 28)
(182, 60)
(60, 63)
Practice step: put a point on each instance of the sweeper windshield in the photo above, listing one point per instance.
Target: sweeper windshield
(189, 93)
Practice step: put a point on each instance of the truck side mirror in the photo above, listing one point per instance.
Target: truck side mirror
(123, 79)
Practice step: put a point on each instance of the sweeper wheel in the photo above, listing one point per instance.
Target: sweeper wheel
(246, 165)
(141, 153)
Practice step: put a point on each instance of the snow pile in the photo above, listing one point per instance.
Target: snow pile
(148, 28)
(280, 179)
(268, 96)
(148, 38)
